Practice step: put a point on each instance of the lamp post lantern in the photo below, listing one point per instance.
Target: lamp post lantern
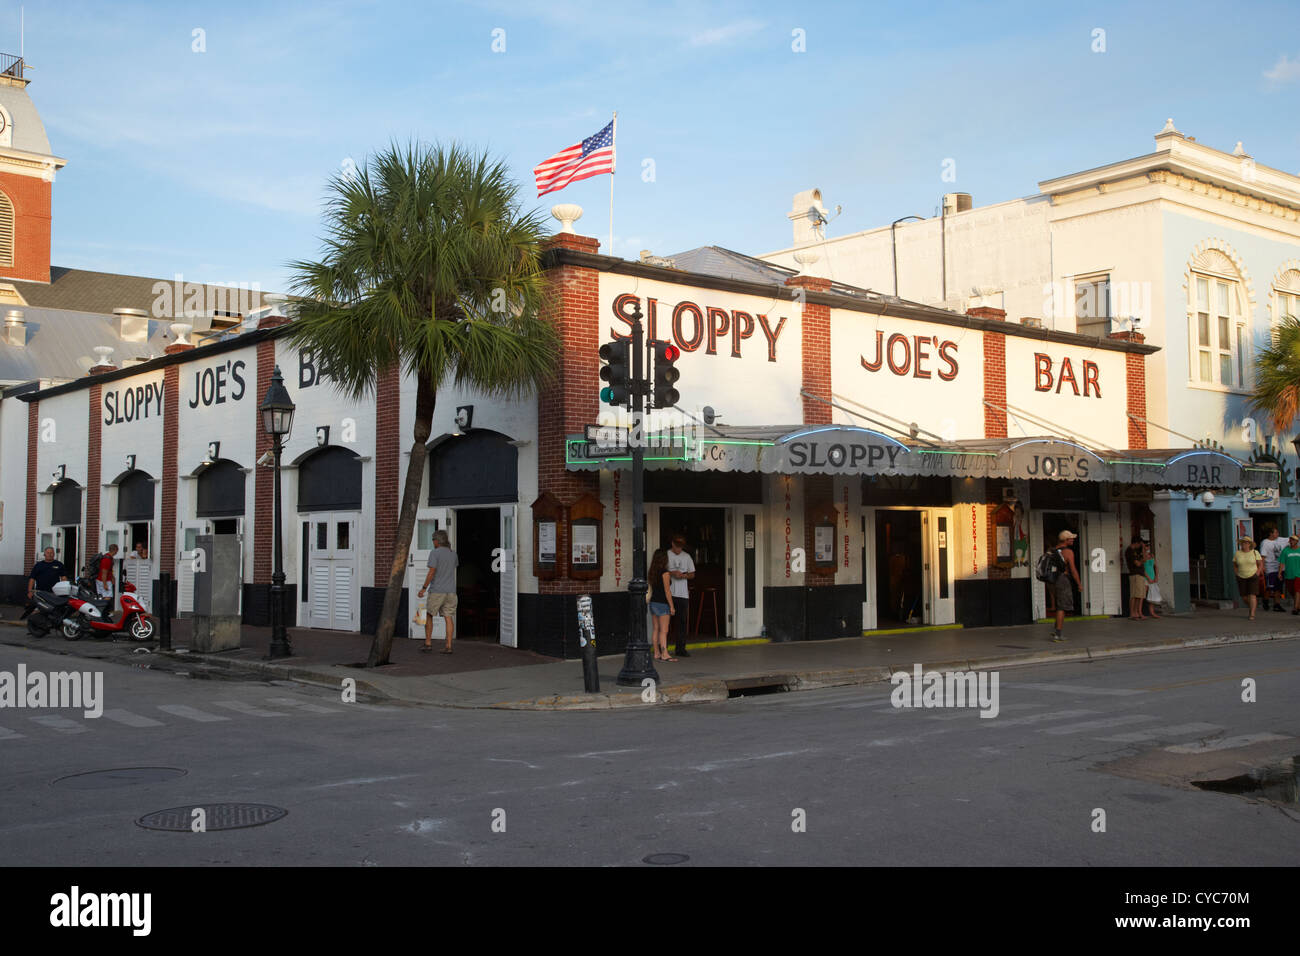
(277, 421)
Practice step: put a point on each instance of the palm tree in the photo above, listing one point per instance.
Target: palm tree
(430, 264)
(1277, 375)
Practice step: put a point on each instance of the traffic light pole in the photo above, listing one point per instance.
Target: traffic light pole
(638, 663)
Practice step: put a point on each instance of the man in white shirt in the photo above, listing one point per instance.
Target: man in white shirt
(1270, 549)
(681, 569)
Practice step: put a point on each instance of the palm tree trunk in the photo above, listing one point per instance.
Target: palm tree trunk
(426, 396)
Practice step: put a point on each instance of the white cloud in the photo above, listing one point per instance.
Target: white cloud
(1284, 70)
(723, 34)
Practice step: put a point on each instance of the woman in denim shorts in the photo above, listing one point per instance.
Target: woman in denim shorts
(661, 605)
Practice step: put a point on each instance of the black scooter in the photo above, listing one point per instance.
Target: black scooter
(49, 610)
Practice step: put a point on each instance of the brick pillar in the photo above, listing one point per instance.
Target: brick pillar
(574, 399)
(388, 462)
(33, 444)
(818, 490)
(263, 478)
(995, 373)
(94, 459)
(170, 480)
(1136, 381)
(816, 324)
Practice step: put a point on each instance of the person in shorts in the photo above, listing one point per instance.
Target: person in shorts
(1248, 565)
(442, 598)
(1137, 578)
(659, 597)
(1290, 561)
(1060, 588)
(1270, 549)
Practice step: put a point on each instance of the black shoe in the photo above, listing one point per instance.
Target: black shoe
(1263, 606)
(682, 653)
(1278, 607)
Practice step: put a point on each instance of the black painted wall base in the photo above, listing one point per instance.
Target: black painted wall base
(372, 605)
(13, 588)
(548, 623)
(257, 605)
(997, 602)
(812, 614)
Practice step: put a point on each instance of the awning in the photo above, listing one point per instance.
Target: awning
(847, 450)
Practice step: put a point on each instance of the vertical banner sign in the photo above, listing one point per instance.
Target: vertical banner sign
(846, 525)
(618, 533)
(786, 479)
(974, 541)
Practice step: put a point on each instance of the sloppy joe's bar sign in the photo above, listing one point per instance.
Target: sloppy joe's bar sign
(1086, 388)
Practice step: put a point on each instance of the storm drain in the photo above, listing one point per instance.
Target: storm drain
(665, 859)
(215, 816)
(757, 686)
(1276, 782)
(118, 777)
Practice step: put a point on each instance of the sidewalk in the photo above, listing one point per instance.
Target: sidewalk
(482, 674)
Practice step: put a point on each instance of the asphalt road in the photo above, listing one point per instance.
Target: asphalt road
(719, 783)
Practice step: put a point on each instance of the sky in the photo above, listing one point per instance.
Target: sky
(199, 137)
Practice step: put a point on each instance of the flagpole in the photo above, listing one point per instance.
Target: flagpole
(614, 142)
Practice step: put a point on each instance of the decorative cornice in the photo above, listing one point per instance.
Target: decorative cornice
(1166, 177)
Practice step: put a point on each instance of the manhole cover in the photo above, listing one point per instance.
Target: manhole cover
(120, 777)
(216, 816)
(665, 859)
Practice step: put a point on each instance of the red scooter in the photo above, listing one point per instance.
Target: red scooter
(89, 621)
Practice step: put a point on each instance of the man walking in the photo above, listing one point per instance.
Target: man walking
(1137, 578)
(1068, 572)
(681, 569)
(104, 580)
(442, 599)
(1290, 564)
(45, 574)
(1270, 549)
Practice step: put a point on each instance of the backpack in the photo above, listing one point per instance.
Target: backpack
(1050, 566)
(91, 570)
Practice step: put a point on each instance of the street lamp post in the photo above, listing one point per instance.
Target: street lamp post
(277, 421)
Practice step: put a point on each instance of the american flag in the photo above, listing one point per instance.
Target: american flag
(593, 156)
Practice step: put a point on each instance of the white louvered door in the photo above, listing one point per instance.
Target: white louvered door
(332, 597)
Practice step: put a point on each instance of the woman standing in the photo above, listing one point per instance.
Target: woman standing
(1249, 565)
(661, 605)
(1154, 596)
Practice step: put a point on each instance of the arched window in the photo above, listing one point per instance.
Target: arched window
(221, 491)
(6, 231)
(1286, 295)
(135, 497)
(330, 480)
(1217, 317)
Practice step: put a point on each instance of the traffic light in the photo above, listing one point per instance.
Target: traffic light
(617, 371)
(666, 373)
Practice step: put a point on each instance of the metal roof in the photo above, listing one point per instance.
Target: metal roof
(59, 345)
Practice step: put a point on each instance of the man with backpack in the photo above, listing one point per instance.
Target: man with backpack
(1056, 569)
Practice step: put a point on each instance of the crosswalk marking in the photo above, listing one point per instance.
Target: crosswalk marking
(62, 724)
(130, 719)
(7, 734)
(303, 705)
(244, 708)
(1076, 689)
(1156, 733)
(966, 711)
(1099, 724)
(1227, 743)
(1038, 718)
(190, 713)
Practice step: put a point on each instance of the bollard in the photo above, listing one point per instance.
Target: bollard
(587, 638)
(164, 612)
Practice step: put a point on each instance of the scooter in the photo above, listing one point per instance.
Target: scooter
(50, 608)
(93, 620)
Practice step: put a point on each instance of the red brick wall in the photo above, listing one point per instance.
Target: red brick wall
(816, 352)
(995, 374)
(94, 460)
(388, 460)
(33, 444)
(263, 478)
(574, 399)
(1136, 378)
(170, 481)
(31, 199)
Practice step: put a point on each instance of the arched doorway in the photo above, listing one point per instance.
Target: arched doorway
(135, 523)
(219, 508)
(329, 508)
(65, 519)
(473, 495)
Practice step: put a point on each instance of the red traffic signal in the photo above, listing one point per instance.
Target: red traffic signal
(664, 395)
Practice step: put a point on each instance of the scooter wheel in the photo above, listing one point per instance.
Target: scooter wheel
(37, 626)
(72, 630)
(142, 629)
